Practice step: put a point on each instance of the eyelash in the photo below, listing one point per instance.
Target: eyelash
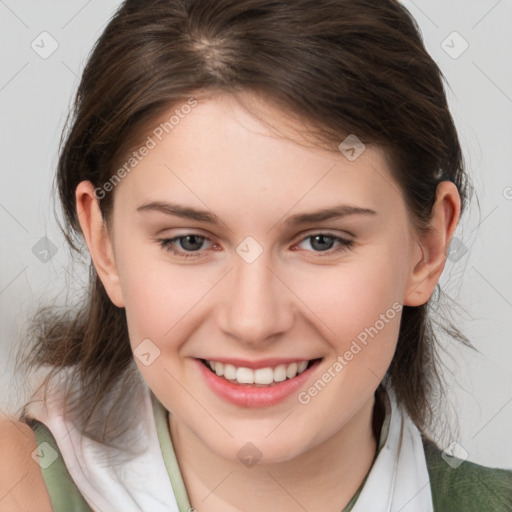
(168, 243)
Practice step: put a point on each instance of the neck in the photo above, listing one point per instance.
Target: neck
(325, 477)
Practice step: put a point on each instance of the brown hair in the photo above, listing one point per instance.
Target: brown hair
(345, 66)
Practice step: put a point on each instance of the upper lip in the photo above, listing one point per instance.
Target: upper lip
(262, 363)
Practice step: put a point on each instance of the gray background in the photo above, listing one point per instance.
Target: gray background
(35, 94)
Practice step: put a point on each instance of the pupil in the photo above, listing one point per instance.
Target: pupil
(322, 242)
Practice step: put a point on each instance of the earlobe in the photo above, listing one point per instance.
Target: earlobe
(98, 240)
(433, 245)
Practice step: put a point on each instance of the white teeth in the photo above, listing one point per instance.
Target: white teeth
(219, 369)
(302, 366)
(245, 375)
(264, 376)
(291, 371)
(229, 372)
(261, 376)
(280, 373)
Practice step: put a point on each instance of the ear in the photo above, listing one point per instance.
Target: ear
(98, 241)
(434, 245)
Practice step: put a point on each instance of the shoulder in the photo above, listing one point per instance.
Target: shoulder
(22, 487)
(461, 485)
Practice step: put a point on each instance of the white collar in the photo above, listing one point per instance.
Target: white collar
(398, 479)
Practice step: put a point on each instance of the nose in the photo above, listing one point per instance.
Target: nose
(257, 306)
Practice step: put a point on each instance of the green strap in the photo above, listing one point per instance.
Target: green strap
(171, 462)
(64, 494)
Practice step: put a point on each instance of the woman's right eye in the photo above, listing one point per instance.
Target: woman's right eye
(190, 245)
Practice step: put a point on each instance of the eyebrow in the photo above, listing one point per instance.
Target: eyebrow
(186, 212)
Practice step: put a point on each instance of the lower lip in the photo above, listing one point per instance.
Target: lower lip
(249, 396)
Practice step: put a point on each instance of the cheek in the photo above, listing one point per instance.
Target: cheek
(156, 294)
(164, 300)
(354, 293)
(360, 307)
(357, 305)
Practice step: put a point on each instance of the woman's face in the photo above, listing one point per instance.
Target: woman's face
(239, 246)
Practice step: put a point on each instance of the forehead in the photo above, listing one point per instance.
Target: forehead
(219, 152)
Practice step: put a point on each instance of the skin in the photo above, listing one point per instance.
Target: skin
(22, 487)
(293, 301)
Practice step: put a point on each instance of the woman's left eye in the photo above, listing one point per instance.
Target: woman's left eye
(323, 242)
(190, 246)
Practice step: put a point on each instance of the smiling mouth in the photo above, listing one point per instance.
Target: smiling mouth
(261, 377)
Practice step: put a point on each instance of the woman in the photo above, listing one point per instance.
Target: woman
(267, 191)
